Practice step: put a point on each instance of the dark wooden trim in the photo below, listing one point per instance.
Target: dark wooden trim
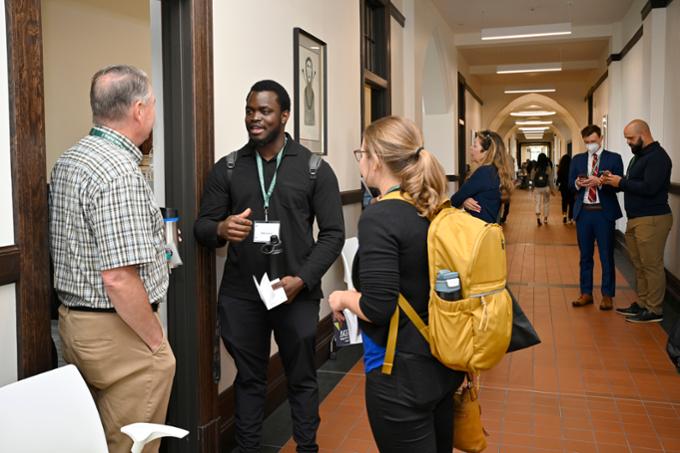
(629, 45)
(461, 78)
(462, 145)
(351, 196)
(589, 100)
(276, 383)
(189, 134)
(452, 178)
(27, 149)
(674, 188)
(10, 260)
(597, 84)
(653, 4)
(397, 15)
(375, 79)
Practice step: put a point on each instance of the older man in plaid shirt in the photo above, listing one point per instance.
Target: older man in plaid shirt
(110, 272)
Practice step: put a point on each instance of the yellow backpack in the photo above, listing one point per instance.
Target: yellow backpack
(471, 334)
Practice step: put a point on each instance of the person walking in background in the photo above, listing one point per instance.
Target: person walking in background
(596, 210)
(410, 410)
(565, 191)
(270, 191)
(490, 180)
(542, 177)
(107, 241)
(645, 194)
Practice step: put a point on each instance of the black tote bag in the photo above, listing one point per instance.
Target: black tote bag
(523, 333)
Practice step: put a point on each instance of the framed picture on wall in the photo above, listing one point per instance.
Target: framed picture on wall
(310, 103)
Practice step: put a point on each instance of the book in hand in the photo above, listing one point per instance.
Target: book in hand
(346, 332)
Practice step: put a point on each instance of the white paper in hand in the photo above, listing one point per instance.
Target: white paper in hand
(271, 297)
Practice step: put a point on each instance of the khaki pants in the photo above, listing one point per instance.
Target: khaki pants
(645, 240)
(542, 198)
(129, 383)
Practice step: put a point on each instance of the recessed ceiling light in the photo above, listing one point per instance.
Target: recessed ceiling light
(523, 68)
(526, 31)
(534, 128)
(532, 123)
(530, 90)
(533, 113)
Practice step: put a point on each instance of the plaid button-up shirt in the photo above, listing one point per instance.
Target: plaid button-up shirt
(103, 216)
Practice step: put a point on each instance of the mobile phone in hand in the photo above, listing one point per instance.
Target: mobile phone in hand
(582, 177)
(606, 173)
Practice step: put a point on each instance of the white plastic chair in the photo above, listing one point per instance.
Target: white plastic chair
(54, 411)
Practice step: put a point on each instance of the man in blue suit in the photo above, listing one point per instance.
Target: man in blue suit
(595, 211)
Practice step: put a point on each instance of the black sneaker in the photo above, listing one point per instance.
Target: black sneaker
(632, 310)
(538, 221)
(644, 317)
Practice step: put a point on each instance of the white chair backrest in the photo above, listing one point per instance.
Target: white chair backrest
(52, 411)
(348, 252)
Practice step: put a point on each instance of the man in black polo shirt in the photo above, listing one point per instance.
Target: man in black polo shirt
(645, 190)
(272, 188)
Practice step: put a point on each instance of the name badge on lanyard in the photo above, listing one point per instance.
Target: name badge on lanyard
(263, 231)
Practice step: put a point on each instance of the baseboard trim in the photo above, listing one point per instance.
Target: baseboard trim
(276, 384)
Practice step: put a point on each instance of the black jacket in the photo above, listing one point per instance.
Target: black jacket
(645, 186)
(296, 201)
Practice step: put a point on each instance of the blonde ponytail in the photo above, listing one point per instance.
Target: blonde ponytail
(397, 141)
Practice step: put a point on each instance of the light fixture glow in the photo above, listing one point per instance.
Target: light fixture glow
(526, 31)
(534, 129)
(533, 123)
(533, 137)
(523, 68)
(530, 90)
(533, 113)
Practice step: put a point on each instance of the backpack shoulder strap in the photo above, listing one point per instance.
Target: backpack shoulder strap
(231, 163)
(391, 346)
(314, 164)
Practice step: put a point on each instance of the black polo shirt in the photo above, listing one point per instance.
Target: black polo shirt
(296, 201)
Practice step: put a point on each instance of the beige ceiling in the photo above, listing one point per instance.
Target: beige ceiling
(466, 16)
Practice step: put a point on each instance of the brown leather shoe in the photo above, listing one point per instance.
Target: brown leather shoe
(583, 300)
(606, 304)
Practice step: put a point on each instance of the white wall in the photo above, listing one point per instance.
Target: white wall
(246, 50)
(645, 85)
(80, 37)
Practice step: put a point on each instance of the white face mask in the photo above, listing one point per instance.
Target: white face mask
(592, 147)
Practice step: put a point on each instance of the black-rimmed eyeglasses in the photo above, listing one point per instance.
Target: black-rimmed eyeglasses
(357, 154)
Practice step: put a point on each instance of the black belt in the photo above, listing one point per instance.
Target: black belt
(154, 307)
(592, 206)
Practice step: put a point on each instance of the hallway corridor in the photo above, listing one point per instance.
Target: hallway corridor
(594, 384)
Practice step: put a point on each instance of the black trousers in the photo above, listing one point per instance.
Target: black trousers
(568, 202)
(411, 410)
(246, 331)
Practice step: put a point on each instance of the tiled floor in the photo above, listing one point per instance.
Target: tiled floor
(595, 383)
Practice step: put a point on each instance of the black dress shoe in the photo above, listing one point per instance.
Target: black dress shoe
(632, 310)
(644, 317)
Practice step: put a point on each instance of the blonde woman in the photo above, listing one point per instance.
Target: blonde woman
(410, 410)
(490, 180)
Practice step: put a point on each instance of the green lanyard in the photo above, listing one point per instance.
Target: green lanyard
(392, 189)
(109, 137)
(267, 194)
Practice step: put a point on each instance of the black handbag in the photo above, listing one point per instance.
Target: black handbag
(523, 333)
(673, 345)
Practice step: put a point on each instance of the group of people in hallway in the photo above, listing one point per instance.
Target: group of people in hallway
(110, 271)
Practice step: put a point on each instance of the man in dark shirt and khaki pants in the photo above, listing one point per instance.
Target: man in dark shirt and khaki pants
(645, 189)
(271, 186)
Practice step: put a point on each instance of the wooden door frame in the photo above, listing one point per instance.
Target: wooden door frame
(27, 262)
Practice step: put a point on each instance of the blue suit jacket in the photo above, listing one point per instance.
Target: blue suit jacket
(608, 161)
